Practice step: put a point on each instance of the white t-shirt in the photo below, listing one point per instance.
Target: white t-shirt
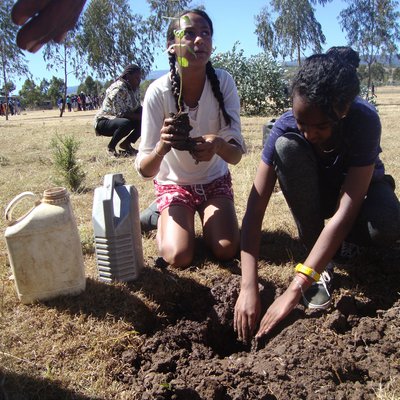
(178, 167)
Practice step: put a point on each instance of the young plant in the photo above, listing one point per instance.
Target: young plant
(183, 62)
(181, 118)
(66, 163)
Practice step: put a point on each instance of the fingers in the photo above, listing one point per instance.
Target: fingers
(44, 20)
(244, 326)
(267, 323)
(26, 9)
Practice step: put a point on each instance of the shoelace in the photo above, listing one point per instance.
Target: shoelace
(325, 278)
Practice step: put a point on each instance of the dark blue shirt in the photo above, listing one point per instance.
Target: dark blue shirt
(361, 134)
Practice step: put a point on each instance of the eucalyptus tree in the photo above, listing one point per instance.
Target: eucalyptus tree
(372, 28)
(12, 60)
(113, 36)
(289, 28)
(64, 56)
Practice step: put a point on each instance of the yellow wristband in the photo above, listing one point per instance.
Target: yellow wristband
(307, 271)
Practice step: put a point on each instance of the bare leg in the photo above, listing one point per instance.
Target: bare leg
(175, 235)
(220, 227)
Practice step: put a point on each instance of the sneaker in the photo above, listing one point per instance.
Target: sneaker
(318, 295)
(128, 152)
(149, 218)
(112, 152)
(348, 252)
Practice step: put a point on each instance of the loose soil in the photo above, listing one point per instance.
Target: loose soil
(182, 125)
(346, 352)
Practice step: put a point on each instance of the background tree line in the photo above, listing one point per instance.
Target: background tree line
(110, 35)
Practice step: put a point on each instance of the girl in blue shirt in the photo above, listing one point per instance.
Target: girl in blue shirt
(325, 154)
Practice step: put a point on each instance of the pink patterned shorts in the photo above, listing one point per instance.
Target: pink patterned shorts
(193, 196)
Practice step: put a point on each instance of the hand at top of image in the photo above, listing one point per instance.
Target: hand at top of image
(44, 20)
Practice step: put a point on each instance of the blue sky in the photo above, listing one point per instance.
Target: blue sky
(233, 21)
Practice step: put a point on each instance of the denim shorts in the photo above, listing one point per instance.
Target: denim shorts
(193, 196)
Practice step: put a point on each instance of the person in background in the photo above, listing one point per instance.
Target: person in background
(120, 114)
(325, 154)
(60, 103)
(44, 20)
(69, 103)
(198, 180)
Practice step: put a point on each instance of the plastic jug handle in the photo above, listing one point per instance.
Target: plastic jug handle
(14, 202)
(110, 181)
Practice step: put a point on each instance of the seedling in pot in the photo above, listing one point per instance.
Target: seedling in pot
(181, 118)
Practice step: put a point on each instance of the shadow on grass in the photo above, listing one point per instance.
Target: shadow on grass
(164, 298)
(22, 387)
(279, 247)
(377, 275)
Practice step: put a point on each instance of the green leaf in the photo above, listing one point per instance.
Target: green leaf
(179, 33)
(183, 62)
(185, 20)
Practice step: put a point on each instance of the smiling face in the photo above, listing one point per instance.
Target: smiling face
(316, 126)
(197, 37)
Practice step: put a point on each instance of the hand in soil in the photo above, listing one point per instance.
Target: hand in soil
(247, 314)
(279, 309)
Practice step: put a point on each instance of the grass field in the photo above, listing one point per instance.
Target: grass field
(69, 348)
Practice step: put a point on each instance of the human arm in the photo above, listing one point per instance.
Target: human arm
(353, 193)
(247, 308)
(44, 20)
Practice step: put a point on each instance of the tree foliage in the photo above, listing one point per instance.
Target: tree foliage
(91, 86)
(12, 60)
(396, 75)
(259, 79)
(64, 56)
(56, 89)
(372, 28)
(113, 37)
(293, 30)
(31, 95)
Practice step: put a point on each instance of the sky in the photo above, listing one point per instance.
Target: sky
(233, 20)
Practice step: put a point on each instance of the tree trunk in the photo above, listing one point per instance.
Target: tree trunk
(369, 79)
(3, 64)
(298, 54)
(65, 82)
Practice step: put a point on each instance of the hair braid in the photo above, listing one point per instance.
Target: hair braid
(175, 81)
(212, 76)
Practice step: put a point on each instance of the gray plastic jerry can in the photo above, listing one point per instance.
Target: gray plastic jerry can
(116, 223)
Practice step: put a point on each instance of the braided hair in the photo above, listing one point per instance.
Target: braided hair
(210, 71)
(329, 81)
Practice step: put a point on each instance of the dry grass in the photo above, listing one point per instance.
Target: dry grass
(67, 348)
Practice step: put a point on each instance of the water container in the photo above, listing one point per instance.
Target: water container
(116, 224)
(44, 248)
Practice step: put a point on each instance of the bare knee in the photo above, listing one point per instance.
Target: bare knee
(225, 250)
(179, 258)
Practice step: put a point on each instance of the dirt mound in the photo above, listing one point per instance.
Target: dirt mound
(345, 353)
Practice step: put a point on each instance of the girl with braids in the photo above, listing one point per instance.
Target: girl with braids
(325, 154)
(199, 180)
